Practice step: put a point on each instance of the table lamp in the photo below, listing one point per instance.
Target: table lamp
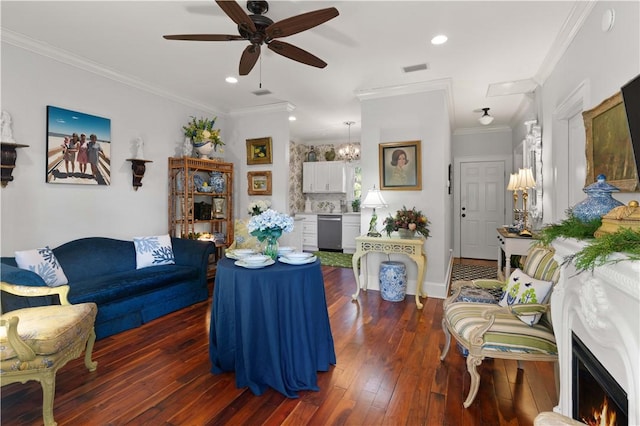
(513, 186)
(525, 182)
(373, 200)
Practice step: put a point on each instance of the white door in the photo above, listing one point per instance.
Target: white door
(482, 189)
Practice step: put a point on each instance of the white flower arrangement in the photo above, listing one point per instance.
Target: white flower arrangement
(270, 225)
(258, 207)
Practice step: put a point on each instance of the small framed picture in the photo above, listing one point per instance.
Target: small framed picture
(400, 166)
(259, 151)
(259, 183)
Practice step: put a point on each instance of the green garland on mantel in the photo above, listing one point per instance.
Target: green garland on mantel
(597, 251)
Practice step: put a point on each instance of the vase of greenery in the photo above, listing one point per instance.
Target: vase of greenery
(407, 222)
(203, 136)
(355, 205)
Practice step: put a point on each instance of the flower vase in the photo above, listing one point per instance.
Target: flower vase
(271, 248)
(406, 233)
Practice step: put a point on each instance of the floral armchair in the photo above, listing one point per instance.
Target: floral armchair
(36, 342)
(514, 325)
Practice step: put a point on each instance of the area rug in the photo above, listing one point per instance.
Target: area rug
(473, 272)
(329, 258)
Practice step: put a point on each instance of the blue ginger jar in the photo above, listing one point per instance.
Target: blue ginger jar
(393, 281)
(217, 182)
(598, 202)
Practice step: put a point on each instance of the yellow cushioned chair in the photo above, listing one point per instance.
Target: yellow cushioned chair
(485, 329)
(36, 342)
(242, 238)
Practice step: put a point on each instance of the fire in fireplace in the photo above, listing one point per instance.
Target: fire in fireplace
(597, 398)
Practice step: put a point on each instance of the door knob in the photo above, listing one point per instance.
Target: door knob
(464, 215)
(464, 208)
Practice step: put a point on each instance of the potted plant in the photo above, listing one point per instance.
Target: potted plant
(355, 205)
(407, 222)
(203, 136)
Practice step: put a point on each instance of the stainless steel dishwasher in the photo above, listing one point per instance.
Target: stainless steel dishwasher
(330, 232)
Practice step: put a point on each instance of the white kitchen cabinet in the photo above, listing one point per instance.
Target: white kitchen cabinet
(350, 230)
(324, 177)
(309, 231)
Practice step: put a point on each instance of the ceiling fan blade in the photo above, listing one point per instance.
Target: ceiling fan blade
(235, 12)
(203, 37)
(295, 53)
(249, 58)
(299, 23)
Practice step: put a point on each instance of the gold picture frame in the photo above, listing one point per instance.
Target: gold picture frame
(259, 183)
(608, 145)
(400, 177)
(259, 151)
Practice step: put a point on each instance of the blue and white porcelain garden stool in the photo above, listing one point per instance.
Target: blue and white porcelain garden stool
(393, 281)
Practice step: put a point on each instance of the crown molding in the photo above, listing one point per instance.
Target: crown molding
(475, 130)
(574, 22)
(276, 107)
(27, 43)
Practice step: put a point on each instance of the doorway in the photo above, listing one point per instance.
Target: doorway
(481, 207)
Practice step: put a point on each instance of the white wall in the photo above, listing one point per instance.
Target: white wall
(420, 116)
(35, 213)
(597, 64)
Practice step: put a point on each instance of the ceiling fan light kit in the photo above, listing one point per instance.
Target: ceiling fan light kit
(485, 119)
(258, 29)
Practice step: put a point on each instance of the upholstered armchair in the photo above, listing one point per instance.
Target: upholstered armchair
(36, 342)
(504, 320)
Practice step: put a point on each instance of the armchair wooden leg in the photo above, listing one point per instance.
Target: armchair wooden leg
(447, 340)
(472, 363)
(88, 362)
(48, 383)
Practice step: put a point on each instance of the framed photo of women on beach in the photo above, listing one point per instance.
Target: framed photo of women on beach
(78, 148)
(400, 167)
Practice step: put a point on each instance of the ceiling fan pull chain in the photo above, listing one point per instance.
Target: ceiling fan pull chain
(260, 72)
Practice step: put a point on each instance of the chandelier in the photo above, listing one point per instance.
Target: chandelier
(349, 152)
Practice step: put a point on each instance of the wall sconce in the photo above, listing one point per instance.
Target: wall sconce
(9, 156)
(138, 167)
(373, 200)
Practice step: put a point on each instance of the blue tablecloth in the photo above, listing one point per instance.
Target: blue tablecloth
(271, 326)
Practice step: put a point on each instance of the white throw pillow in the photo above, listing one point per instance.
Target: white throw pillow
(524, 289)
(43, 262)
(153, 251)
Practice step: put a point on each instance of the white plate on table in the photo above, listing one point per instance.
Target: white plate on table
(244, 264)
(303, 261)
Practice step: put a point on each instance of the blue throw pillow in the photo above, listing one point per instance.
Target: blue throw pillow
(153, 251)
(43, 262)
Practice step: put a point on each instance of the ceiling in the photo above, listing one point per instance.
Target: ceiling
(365, 47)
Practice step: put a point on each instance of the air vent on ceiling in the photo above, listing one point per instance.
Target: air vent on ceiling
(414, 68)
(262, 92)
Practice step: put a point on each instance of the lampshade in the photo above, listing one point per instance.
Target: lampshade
(374, 199)
(486, 118)
(525, 179)
(513, 182)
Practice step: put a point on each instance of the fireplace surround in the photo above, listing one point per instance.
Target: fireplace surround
(601, 308)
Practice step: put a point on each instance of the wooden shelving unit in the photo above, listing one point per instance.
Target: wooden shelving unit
(192, 211)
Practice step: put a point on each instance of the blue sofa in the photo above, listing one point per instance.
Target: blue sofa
(103, 271)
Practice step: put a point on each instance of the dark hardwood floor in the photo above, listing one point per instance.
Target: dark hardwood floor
(388, 372)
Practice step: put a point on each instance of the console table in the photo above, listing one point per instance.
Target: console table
(510, 244)
(411, 247)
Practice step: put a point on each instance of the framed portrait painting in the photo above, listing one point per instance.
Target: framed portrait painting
(608, 145)
(259, 183)
(259, 151)
(78, 148)
(400, 167)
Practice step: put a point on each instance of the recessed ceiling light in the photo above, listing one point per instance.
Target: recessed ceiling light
(439, 39)
(231, 80)
(292, 118)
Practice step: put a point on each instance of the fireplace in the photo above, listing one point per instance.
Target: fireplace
(598, 398)
(598, 311)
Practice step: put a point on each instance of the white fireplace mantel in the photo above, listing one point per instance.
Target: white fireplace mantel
(603, 309)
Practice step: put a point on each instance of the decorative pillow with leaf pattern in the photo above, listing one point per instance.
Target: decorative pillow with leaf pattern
(43, 262)
(153, 251)
(522, 289)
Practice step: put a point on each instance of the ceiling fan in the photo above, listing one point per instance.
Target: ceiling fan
(259, 29)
